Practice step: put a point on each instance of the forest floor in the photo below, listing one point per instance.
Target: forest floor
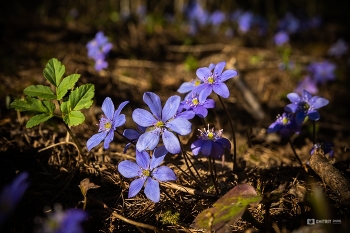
(140, 63)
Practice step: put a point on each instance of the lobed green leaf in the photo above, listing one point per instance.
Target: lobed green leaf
(34, 105)
(40, 91)
(74, 118)
(66, 84)
(37, 119)
(81, 97)
(54, 71)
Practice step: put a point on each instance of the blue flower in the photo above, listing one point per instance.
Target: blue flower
(196, 13)
(217, 18)
(322, 72)
(305, 105)
(213, 81)
(306, 84)
(289, 23)
(327, 148)
(160, 122)
(108, 123)
(188, 86)
(60, 221)
(210, 143)
(199, 108)
(11, 195)
(98, 48)
(285, 125)
(148, 173)
(338, 49)
(281, 38)
(133, 135)
(245, 21)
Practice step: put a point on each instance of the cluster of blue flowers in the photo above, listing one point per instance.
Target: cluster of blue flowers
(98, 48)
(165, 124)
(300, 108)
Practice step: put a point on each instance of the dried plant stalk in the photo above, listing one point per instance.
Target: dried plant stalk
(331, 176)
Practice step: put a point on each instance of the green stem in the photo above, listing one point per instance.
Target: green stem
(233, 135)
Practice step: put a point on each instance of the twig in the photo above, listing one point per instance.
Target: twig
(57, 144)
(196, 48)
(330, 175)
(186, 189)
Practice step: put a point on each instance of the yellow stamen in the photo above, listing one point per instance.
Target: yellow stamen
(211, 80)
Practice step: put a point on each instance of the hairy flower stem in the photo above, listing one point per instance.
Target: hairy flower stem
(296, 155)
(200, 182)
(233, 135)
(211, 162)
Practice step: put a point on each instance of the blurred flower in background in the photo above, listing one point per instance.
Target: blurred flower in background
(98, 48)
(60, 221)
(281, 38)
(289, 23)
(338, 49)
(217, 18)
(245, 21)
(306, 84)
(11, 195)
(321, 72)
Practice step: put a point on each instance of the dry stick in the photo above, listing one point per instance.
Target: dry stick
(171, 198)
(121, 217)
(57, 144)
(187, 189)
(80, 150)
(330, 175)
(137, 224)
(233, 135)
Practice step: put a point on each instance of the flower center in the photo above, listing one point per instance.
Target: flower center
(146, 173)
(209, 134)
(211, 79)
(108, 125)
(195, 101)
(160, 124)
(304, 106)
(105, 124)
(285, 120)
(197, 82)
